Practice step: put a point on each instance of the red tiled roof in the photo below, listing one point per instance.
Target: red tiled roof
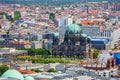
(26, 71)
(94, 11)
(17, 42)
(21, 9)
(88, 22)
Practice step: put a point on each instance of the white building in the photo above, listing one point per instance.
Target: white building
(83, 78)
(63, 22)
(115, 37)
(51, 65)
(69, 20)
(36, 44)
(60, 67)
(106, 33)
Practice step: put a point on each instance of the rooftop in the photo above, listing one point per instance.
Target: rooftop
(13, 74)
(73, 29)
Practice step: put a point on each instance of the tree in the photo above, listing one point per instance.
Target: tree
(3, 13)
(30, 51)
(106, 18)
(80, 24)
(17, 15)
(37, 70)
(2, 46)
(113, 49)
(3, 68)
(39, 51)
(52, 16)
(23, 26)
(51, 70)
(96, 53)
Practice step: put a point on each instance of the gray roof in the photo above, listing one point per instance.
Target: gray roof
(4, 59)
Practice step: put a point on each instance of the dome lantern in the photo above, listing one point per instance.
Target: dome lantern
(83, 35)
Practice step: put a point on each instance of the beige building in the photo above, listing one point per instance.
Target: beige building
(4, 61)
(36, 44)
(83, 78)
(12, 53)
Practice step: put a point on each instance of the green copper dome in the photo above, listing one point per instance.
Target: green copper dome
(56, 34)
(13, 74)
(89, 37)
(84, 35)
(73, 29)
(29, 78)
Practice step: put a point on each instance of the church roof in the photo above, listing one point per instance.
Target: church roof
(73, 29)
(56, 34)
(89, 37)
(29, 78)
(83, 35)
(13, 74)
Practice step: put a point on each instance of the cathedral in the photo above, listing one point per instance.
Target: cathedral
(74, 44)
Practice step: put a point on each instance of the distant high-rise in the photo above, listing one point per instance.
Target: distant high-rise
(116, 6)
(105, 4)
(87, 7)
(61, 26)
(69, 20)
(106, 33)
(62, 23)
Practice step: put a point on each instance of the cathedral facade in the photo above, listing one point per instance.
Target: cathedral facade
(75, 43)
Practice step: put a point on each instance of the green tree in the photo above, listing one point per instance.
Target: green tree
(51, 70)
(106, 18)
(3, 68)
(80, 24)
(3, 13)
(2, 46)
(37, 70)
(22, 26)
(113, 49)
(52, 16)
(39, 51)
(95, 53)
(16, 15)
(30, 51)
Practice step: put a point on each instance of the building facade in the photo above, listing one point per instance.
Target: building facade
(92, 31)
(12, 53)
(75, 43)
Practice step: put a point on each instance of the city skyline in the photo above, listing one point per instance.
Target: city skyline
(65, 40)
